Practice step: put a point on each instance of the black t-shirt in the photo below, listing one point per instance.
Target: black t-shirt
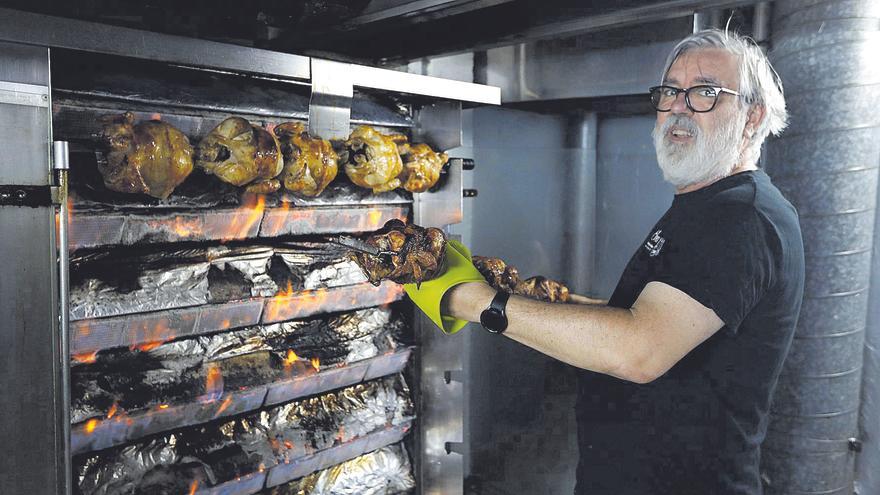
(734, 246)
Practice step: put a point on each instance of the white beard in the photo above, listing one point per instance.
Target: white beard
(708, 159)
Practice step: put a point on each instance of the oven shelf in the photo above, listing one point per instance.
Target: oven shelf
(89, 336)
(95, 229)
(304, 466)
(98, 434)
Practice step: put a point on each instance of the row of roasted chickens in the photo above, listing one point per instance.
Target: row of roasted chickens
(152, 157)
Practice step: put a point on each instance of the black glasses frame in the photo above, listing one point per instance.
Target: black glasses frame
(719, 90)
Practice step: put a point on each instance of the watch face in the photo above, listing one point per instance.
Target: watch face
(493, 321)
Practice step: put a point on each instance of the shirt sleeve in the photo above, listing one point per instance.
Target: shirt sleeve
(723, 261)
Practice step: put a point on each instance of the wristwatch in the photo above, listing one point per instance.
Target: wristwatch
(494, 318)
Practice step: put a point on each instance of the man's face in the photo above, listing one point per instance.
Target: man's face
(694, 148)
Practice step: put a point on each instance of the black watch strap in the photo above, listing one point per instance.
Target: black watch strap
(494, 318)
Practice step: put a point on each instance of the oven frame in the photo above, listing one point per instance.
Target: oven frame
(34, 396)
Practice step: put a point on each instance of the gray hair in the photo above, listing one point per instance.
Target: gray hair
(759, 83)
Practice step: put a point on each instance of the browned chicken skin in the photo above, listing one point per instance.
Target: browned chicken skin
(310, 164)
(372, 159)
(240, 153)
(421, 167)
(502, 276)
(419, 254)
(151, 157)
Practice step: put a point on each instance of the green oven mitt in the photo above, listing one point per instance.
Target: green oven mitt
(459, 269)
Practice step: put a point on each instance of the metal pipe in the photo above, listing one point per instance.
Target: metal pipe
(61, 165)
(581, 228)
(826, 163)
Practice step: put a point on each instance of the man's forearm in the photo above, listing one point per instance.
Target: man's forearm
(597, 338)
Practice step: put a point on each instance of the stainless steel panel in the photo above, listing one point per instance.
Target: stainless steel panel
(443, 207)
(403, 82)
(29, 95)
(330, 105)
(30, 356)
(30, 393)
(56, 32)
(439, 125)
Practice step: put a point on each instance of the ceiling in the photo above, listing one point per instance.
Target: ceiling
(376, 31)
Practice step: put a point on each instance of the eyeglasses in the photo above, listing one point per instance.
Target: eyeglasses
(699, 99)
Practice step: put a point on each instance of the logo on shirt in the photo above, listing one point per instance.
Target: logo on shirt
(655, 243)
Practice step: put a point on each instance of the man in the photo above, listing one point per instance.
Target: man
(683, 360)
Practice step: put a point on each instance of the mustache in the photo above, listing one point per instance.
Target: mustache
(682, 122)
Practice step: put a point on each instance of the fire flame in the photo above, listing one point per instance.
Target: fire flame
(148, 338)
(91, 425)
(316, 363)
(112, 411)
(288, 444)
(223, 406)
(291, 357)
(374, 217)
(193, 487)
(250, 213)
(186, 227)
(213, 383)
(156, 116)
(163, 406)
(85, 357)
(261, 468)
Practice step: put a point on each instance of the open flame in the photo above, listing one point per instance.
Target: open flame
(184, 227)
(213, 383)
(91, 425)
(193, 487)
(374, 217)
(250, 213)
(148, 335)
(163, 406)
(112, 411)
(85, 357)
(316, 363)
(223, 406)
(291, 358)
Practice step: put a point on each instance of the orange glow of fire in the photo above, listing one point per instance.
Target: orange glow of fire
(288, 444)
(156, 116)
(223, 406)
(163, 406)
(374, 217)
(193, 487)
(91, 425)
(147, 337)
(291, 358)
(316, 363)
(261, 468)
(184, 227)
(213, 383)
(112, 411)
(85, 357)
(250, 213)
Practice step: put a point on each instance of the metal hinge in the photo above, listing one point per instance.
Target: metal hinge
(37, 196)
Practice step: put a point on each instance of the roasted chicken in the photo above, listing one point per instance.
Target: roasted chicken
(502, 276)
(310, 164)
(372, 159)
(421, 167)
(418, 254)
(242, 154)
(151, 157)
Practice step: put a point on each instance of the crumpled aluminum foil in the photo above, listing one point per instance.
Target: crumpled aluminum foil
(340, 338)
(227, 449)
(338, 274)
(160, 284)
(385, 471)
(174, 287)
